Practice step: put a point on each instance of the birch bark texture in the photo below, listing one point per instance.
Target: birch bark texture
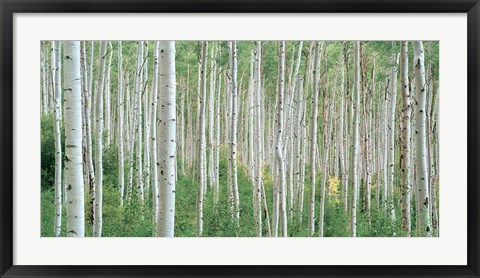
(424, 228)
(391, 140)
(406, 137)
(121, 104)
(201, 153)
(258, 135)
(154, 163)
(73, 140)
(58, 141)
(279, 144)
(98, 202)
(234, 133)
(356, 141)
(316, 78)
(166, 143)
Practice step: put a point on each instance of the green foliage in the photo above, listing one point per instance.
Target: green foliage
(110, 166)
(136, 220)
(336, 220)
(47, 152)
(48, 212)
(47, 171)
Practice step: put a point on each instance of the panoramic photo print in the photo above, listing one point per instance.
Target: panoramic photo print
(239, 138)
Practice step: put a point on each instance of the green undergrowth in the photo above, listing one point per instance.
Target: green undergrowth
(135, 219)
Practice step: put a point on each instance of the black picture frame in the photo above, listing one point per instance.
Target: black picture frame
(9, 7)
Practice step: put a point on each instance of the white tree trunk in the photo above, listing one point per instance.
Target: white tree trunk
(391, 146)
(44, 82)
(52, 81)
(217, 141)
(424, 227)
(211, 118)
(108, 111)
(58, 141)
(146, 126)
(313, 152)
(130, 101)
(73, 140)
(356, 142)
(85, 78)
(258, 135)
(406, 137)
(182, 128)
(121, 157)
(251, 126)
(343, 168)
(370, 132)
(385, 153)
(201, 153)
(154, 168)
(88, 128)
(279, 144)
(234, 133)
(293, 125)
(299, 186)
(99, 142)
(166, 142)
(138, 118)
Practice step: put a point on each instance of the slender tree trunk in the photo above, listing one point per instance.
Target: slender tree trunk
(251, 126)
(58, 141)
(182, 129)
(293, 172)
(166, 143)
(44, 81)
(424, 227)
(130, 100)
(108, 111)
(406, 137)
(370, 151)
(73, 140)
(154, 168)
(146, 126)
(298, 148)
(52, 81)
(279, 144)
(391, 146)
(121, 157)
(343, 169)
(316, 75)
(234, 133)
(99, 142)
(140, 89)
(211, 118)
(201, 153)
(385, 147)
(88, 128)
(84, 74)
(433, 146)
(217, 141)
(258, 135)
(356, 142)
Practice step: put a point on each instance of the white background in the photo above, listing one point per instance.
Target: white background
(449, 248)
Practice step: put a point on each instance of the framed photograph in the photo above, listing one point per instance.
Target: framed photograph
(239, 138)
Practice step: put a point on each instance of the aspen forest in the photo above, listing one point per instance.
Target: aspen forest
(239, 138)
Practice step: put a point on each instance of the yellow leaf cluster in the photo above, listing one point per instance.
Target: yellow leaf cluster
(333, 191)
